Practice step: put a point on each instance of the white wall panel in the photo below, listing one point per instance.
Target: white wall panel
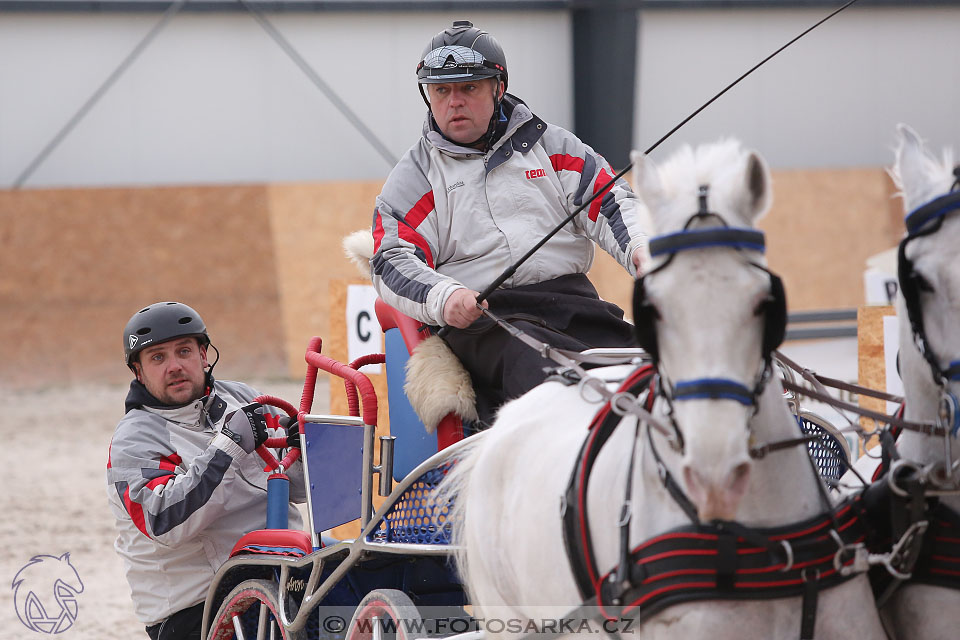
(830, 100)
(213, 99)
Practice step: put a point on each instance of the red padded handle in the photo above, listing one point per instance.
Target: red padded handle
(317, 361)
(353, 401)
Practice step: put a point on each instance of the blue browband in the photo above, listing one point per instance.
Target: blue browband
(734, 237)
(936, 208)
(713, 389)
(953, 371)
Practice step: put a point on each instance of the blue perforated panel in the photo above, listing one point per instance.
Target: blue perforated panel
(827, 452)
(415, 518)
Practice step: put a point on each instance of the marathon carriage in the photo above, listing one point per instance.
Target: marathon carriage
(281, 583)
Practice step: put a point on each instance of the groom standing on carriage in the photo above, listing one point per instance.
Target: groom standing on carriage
(484, 183)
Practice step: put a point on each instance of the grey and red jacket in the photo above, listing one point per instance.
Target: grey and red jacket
(451, 216)
(182, 494)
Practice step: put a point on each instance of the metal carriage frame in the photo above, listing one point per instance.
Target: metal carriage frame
(404, 547)
(327, 567)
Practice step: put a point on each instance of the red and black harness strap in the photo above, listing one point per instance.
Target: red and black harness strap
(892, 515)
(939, 561)
(576, 532)
(726, 561)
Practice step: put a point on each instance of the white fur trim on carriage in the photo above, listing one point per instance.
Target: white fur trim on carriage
(358, 247)
(437, 384)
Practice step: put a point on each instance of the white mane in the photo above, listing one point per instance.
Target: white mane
(720, 165)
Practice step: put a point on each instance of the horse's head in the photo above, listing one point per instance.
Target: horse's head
(929, 271)
(707, 309)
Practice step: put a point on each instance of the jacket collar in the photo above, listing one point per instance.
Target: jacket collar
(514, 109)
(139, 398)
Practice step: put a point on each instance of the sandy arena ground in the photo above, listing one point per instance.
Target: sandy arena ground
(53, 499)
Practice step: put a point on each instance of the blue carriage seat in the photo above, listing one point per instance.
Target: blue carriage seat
(414, 445)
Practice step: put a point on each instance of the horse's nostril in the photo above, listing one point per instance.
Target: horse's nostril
(739, 477)
(740, 472)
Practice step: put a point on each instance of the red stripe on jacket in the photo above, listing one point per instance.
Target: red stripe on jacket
(421, 210)
(170, 463)
(417, 214)
(566, 162)
(162, 480)
(135, 511)
(414, 238)
(377, 232)
(603, 183)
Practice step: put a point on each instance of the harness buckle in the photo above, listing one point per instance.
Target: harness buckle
(861, 556)
(621, 403)
(625, 514)
(894, 473)
(899, 562)
(788, 550)
(595, 385)
(662, 472)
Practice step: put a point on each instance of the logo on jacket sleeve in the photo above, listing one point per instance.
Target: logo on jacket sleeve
(535, 173)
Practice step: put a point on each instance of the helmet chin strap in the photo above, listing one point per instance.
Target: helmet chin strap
(210, 345)
(208, 375)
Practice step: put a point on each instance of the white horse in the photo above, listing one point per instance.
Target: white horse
(918, 611)
(707, 307)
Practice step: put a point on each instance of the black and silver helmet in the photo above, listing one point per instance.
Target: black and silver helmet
(462, 53)
(160, 322)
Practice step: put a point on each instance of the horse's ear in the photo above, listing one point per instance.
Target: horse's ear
(646, 182)
(911, 168)
(758, 186)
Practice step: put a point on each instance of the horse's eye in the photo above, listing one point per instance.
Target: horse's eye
(762, 306)
(922, 283)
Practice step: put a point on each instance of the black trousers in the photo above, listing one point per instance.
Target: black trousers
(565, 313)
(183, 625)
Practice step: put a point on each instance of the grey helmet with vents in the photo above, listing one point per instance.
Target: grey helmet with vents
(160, 322)
(459, 54)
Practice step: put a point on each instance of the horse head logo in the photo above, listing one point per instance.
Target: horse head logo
(45, 593)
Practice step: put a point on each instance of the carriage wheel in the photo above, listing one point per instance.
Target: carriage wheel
(385, 614)
(250, 612)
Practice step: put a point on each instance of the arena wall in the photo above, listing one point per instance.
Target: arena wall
(257, 261)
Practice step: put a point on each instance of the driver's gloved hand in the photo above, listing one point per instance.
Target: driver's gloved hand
(246, 426)
(293, 431)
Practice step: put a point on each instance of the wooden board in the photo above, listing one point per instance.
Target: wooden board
(257, 261)
(871, 366)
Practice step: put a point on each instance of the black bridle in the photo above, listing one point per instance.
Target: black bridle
(774, 307)
(924, 221)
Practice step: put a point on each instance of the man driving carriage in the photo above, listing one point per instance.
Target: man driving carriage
(484, 183)
(180, 478)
